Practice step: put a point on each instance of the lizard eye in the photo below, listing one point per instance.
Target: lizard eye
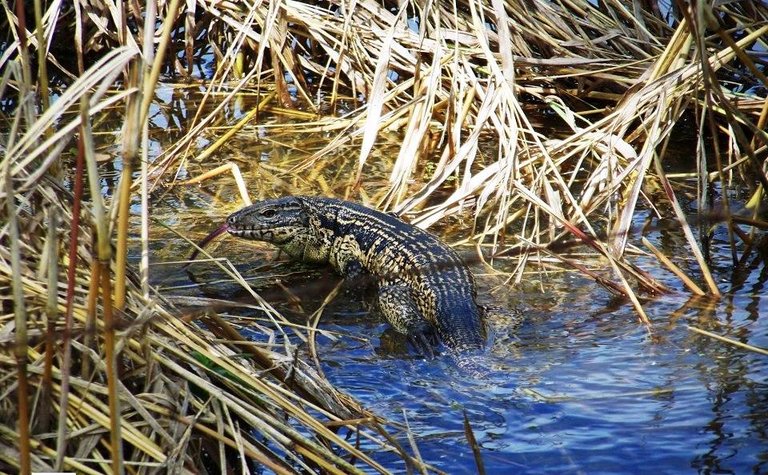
(268, 213)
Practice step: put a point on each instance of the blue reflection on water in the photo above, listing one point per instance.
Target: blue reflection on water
(589, 393)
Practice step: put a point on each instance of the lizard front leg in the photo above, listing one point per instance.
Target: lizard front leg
(396, 303)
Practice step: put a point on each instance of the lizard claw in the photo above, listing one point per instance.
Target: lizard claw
(424, 339)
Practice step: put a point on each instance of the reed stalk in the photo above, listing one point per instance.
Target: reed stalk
(21, 344)
(104, 257)
(130, 144)
(74, 234)
(51, 313)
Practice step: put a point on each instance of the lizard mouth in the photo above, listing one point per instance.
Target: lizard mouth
(242, 232)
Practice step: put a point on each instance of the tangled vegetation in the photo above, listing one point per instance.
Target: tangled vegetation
(100, 373)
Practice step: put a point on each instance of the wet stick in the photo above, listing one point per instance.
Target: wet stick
(313, 322)
(414, 446)
(470, 435)
(730, 341)
(673, 268)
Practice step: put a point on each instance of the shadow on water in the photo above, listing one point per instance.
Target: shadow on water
(579, 387)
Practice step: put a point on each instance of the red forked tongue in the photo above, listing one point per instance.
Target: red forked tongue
(218, 232)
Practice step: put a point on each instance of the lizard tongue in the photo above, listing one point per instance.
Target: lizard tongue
(218, 232)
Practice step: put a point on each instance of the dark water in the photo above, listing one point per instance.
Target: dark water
(580, 387)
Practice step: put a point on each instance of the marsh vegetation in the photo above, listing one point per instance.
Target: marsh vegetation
(541, 137)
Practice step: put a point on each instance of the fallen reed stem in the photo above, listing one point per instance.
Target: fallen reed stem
(730, 341)
(673, 268)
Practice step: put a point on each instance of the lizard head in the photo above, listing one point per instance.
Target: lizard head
(276, 221)
(281, 221)
(284, 222)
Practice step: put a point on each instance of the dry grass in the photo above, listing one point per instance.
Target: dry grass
(450, 81)
(101, 374)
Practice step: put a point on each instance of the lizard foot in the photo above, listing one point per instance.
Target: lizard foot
(423, 338)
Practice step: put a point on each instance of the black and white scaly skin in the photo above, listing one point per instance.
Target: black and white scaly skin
(424, 288)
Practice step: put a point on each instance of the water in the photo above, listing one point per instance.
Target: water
(586, 389)
(580, 387)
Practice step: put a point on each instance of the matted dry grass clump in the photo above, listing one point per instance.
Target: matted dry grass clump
(100, 372)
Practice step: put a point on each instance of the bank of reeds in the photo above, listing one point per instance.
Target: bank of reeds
(101, 374)
(454, 77)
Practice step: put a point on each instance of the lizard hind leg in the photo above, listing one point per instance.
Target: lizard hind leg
(396, 304)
